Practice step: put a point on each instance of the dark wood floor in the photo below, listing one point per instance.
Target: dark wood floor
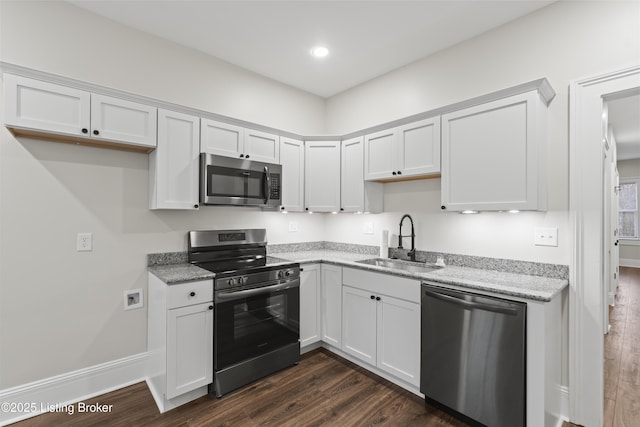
(622, 354)
(323, 389)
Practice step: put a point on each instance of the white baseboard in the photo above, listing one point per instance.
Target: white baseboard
(630, 262)
(29, 400)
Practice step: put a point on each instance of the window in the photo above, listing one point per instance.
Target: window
(628, 210)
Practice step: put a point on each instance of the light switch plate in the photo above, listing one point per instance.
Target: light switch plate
(545, 236)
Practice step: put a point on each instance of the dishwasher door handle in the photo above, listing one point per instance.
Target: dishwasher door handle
(472, 304)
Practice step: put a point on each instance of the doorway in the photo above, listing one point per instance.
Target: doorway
(588, 299)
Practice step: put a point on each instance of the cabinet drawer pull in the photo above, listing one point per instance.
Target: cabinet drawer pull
(373, 297)
(210, 307)
(378, 298)
(193, 294)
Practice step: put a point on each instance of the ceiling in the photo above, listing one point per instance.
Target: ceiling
(274, 38)
(624, 118)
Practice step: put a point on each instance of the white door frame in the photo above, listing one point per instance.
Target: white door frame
(586, 305)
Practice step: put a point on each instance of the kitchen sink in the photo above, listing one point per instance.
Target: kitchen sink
(398, 264)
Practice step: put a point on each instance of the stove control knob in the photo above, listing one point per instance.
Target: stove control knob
(241, 280)
(288, 273)
(280, 274)
(231, 282)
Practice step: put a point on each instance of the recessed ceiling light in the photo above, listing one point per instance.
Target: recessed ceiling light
(319, 51)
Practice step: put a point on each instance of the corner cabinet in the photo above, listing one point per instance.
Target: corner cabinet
(173, 165)
(322, 176)
(179, 341)
(228, 140)
(356, 194)
(36, 108)
(408, 151)
(331, 305)
(494, 155)
(292, 161)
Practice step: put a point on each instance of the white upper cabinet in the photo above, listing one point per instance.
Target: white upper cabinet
(119, 120)
(403, 152)
(36, 105)
(221, 138)
(322, 176)
(41, 108)
(357, 195)
(233, 141)
(173, 166)
(261, 146)
(292, 160)
(493, 155)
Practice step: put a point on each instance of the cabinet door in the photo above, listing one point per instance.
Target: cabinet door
(292, 160)
(261, 146)
(189, 348)
(40, 106)
(352, 175)
(331, 307)
(419, 148)
(493, 156)
(221, 138)
(359, 324)
(119, 120)
(398, 341)
(309, 305)
(380, 155)
(173, 165)
(322, 176)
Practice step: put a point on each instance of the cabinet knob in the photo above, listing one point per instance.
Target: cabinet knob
(246, 157)
(85, 130)
(193, 294)
(377, 298)
(301, 269)
(341, 209)
(399, 172)
(96, 132)
(196, 206)
(393, 173)
(241, 155)
(443, 207)
(210, 307)
(373, 297)
(306, 209)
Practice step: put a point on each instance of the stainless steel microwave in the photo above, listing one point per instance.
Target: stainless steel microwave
(239, 182)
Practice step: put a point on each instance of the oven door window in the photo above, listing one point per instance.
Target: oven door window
(251, 326)
(234, 182)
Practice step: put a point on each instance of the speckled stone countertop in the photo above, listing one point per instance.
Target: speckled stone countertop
(182, 272)
(524, 286)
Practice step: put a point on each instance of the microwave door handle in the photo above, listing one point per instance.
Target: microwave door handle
(267, 185)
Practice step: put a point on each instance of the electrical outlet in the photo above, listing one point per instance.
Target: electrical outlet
(293, 227)
(545, 236)
(133, 299)
(84, 242)
(367, 228)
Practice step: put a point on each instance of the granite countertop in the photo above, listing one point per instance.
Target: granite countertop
(524, 286)
(536, 288)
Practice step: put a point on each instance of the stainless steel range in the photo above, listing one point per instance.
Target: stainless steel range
(257, 307)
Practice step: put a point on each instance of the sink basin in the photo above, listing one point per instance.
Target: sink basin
(398, 264)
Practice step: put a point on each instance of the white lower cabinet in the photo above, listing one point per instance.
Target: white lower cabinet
(331, 306)
(380, 329)
(310, 329)
(179, 341)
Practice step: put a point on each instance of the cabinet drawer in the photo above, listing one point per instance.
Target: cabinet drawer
(190, 293)
(384, 284)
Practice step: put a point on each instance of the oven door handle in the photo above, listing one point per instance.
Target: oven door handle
(234, 295)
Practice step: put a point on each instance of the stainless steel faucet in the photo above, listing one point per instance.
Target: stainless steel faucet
(412, 252)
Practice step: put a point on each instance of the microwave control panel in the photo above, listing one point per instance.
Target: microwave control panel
(275, 187)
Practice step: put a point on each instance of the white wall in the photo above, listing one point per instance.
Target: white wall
(61, 310)
(564, 41)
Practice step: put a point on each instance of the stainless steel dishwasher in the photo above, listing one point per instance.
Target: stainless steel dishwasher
(473, 355)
